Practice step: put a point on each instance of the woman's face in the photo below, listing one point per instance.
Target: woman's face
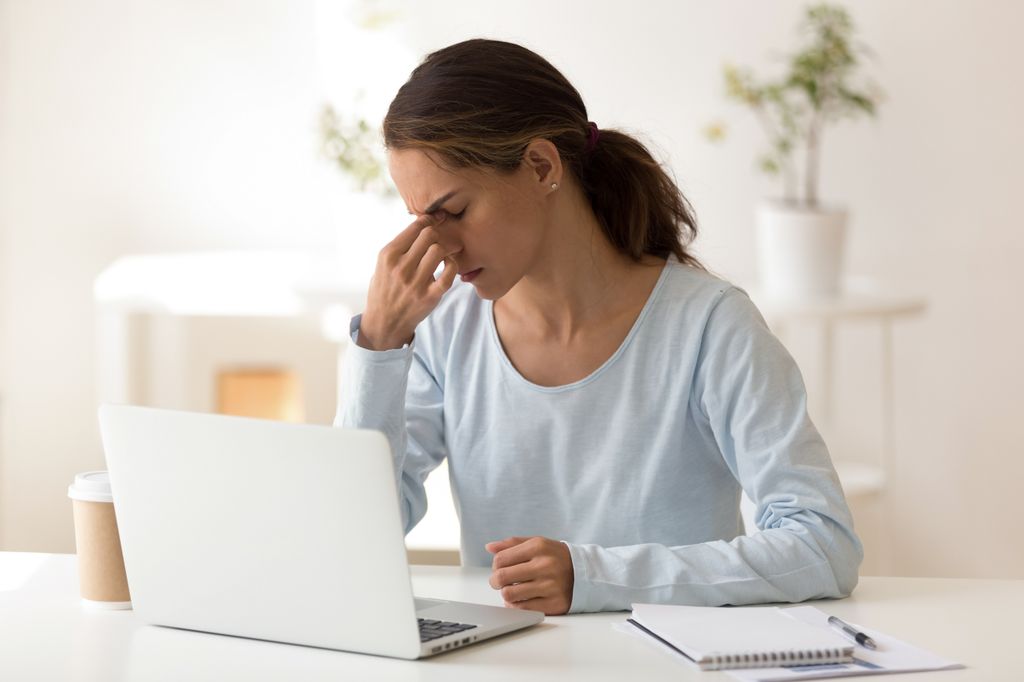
(496, 221)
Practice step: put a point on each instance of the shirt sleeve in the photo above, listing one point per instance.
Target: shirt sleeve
(393, 391)
(752, 395)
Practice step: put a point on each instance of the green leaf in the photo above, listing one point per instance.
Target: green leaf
(858, 101)
(768, 164)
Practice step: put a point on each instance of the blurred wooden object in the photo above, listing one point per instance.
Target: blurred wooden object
(435, 557)
(265, 393)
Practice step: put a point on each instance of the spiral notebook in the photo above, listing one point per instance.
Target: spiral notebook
(723, 638)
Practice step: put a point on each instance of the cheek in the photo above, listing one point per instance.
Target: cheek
(513, 247)
(509, 231)
(514, 224)
(497, 238)
(525, 235)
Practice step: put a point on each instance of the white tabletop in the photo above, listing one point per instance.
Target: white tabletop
(860, 298)
(45, 634)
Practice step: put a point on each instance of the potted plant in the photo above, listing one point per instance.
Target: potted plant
(799, 239)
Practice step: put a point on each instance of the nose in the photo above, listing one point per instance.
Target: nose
(446, 235)
(451, 244)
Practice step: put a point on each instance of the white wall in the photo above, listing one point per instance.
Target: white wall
(145, 126)
(130, 127)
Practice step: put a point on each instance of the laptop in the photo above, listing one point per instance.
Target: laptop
(274, 531)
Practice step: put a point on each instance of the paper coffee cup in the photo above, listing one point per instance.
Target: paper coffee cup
(101, 575)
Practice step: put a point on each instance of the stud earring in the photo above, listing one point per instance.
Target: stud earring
(554, 185)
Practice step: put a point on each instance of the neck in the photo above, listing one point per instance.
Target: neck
(577, 278)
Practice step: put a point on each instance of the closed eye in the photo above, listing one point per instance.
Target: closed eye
(457, 216)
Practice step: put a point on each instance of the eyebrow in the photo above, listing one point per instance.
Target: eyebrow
(437, 204)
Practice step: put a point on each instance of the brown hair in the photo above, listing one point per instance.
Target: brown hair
(481, 102)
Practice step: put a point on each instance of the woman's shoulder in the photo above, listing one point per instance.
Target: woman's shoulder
(700, 299)
(695, 290)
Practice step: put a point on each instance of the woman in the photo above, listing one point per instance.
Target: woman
(600, 397)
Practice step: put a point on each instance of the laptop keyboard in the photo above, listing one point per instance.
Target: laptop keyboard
(434, 629)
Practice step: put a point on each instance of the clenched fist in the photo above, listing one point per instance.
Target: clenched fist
(533, 573)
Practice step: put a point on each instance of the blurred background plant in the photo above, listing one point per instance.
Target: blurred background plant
(350, 126)
(355, 146)
(794, 109)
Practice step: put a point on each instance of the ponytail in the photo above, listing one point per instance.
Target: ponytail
(640, 208)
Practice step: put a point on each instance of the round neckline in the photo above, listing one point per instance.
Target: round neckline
(500, 350)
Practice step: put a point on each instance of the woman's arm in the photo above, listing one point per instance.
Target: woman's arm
(394, 391)
(750, 391)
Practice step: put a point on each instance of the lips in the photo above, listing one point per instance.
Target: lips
(470, 275)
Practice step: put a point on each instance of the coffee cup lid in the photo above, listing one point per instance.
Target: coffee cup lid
(91, 486)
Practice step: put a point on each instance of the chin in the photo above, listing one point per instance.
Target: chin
(488, 290)
(488, 295)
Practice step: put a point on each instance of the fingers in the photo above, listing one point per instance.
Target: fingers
(534, 589)
(550, 606)
(517, 553)
(425, 239)
(434, 256)
(405, 239)
(447, 278)
(509, 575)
(403, 290)
(498, 545)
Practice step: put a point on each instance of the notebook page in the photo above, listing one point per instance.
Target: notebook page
(893, 656)
(702, 632)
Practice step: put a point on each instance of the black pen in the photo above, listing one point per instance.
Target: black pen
(851, 632)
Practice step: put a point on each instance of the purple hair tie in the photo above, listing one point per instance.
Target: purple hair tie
(592, 136)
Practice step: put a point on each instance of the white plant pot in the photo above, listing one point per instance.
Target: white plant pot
(800, 250)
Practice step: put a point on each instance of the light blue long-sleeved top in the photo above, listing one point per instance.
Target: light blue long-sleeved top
(637, 467)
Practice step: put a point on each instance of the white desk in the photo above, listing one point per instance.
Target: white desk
(46, 635)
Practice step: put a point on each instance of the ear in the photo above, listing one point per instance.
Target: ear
(544, 162)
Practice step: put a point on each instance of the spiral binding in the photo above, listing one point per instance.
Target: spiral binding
(775, 659)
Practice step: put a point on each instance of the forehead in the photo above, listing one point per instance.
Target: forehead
(421, 181)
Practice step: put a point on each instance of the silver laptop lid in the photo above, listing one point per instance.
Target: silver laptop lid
(261, 529)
